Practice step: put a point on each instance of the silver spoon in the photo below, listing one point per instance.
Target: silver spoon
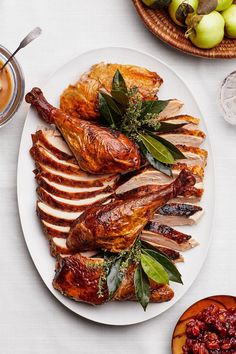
(29, 38)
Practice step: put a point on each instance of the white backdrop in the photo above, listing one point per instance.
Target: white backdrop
(31, 320)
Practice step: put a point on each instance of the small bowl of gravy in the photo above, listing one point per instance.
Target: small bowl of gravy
(12, 85)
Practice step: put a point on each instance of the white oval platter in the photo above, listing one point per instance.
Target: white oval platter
(114, 313)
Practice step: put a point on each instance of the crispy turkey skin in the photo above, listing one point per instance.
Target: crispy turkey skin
(97, 149)
(78, 277)
(81, 99)
(116, 225)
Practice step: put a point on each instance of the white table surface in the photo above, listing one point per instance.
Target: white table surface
(31, 320)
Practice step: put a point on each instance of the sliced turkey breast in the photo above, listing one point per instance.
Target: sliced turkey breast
(194, 156)
(192, 122)
(172, 109)
(185, 137)
(178, 214)
(167, 237)
(70, 192)
(43, 156)
(80, 179)
(151, 176)
(56, 216)
(52, 141)
(69, 205)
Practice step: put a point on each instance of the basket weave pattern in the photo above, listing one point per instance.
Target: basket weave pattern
(161, 25)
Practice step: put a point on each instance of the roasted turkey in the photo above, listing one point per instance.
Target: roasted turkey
(116, 225)
(78, 277)
(81, 99)
(97, 149)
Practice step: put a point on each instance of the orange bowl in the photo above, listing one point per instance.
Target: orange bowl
(179, 335)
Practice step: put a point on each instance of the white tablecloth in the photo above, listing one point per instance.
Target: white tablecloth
(31, 320)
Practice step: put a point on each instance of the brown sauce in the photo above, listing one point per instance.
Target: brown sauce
(5, 88)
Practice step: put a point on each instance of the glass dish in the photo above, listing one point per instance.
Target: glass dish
(18, 87)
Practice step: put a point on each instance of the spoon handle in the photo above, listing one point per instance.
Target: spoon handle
(29, 38)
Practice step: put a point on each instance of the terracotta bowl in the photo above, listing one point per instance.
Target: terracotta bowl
(179, 336)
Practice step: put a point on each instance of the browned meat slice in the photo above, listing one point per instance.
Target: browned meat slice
(194, 156)
(178, 214)
(52, 230)
(78, 277)
(196, 170)
(57, 238)
(116, 225)
(192, 122)
(53, 163)
(173, 108)
(71, 193)
(44, 157)
(73, 205)
(174, 255)
(152, 180)
(191, 195)
(185, 137)
(79, 179)
(96, 149)
(52, 141)
(159, 292)
(64, 190)
(150, 176)
(81, 99)
(165, 236)
(56, 216)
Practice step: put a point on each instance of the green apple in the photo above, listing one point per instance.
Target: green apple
(229, 16)
(156, 4)
(208, 32)
(223, 4)
(179, 9)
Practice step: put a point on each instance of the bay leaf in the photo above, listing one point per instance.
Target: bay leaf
(105, 110)
(164, 168)
(154, 269)
(157, 149)
(114, 276)
(118, 82)
(120, 97)
(119, 89)
(142, 287)
(166, 127)
(153, 107)
(175, 152)
(170, 268)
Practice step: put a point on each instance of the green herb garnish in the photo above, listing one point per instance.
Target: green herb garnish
(125, 110)
(150, 264)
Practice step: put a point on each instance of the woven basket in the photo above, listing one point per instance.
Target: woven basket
(161, 25)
